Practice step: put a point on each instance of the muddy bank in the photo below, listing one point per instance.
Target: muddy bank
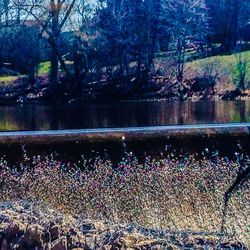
(25, 226)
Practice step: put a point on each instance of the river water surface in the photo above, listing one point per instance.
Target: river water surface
(82, 115)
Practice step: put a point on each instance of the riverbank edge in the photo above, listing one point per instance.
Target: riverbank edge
(26, 225)
(119, 90)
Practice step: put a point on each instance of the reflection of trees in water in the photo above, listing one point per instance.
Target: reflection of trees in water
(29, 116)
(23, 117)
(242, 111)
(42, 117)
(204, 111)
(9, 119)
(232, 111)
(247, 105)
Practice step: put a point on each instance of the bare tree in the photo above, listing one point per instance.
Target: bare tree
(52, 16)
(131, 31)
(6, 10)
(228, 20)
(187, 21)
(1, 13)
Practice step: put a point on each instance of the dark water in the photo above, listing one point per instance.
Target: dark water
(76, 116)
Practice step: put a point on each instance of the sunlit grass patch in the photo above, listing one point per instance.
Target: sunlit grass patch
(7, 79)
(224, 60)
(44, 68)
(225, 63)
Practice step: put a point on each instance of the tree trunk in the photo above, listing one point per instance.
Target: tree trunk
(53, 43)
(231, 29)
(180, 59)
(32, 77)
(6, 10)
(54, 67)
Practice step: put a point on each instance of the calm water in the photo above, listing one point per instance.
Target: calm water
(76, 116)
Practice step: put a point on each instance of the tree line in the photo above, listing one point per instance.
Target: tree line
(112, 39)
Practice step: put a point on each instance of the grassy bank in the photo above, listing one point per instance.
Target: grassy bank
(225, 62)
(223, 68)
(42, 70)
(177, 194)
(222, 71)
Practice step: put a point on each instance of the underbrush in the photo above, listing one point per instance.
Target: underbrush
(174, 193)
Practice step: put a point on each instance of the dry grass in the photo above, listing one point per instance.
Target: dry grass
(178, 194)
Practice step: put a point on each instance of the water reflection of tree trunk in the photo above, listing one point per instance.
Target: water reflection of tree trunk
(181, 113)
(242, 111)
(205, 112)
(176, 113)
(53, 117)
(28, 118)
(33, 119)
(211, 111)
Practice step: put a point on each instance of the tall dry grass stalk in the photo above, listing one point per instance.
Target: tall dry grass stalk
(177, 194)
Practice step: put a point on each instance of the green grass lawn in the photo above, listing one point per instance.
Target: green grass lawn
(225, 66)
(224, 63)
(7, 80)
(44, 68)
(225, 60)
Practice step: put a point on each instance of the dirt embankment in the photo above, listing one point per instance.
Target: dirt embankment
(25, 226)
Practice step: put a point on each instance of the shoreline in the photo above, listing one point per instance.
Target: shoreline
(96, 92)
(106, 101)
(124, 134)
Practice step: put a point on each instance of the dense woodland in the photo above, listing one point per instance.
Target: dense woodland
(76, 48)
